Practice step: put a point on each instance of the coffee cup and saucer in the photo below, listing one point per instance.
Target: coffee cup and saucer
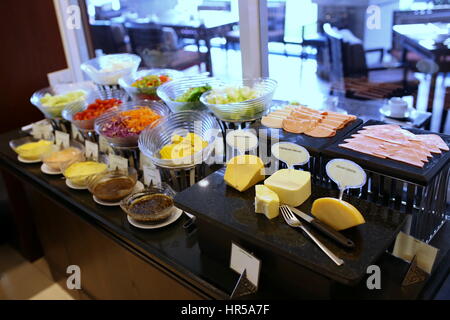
(397, 108)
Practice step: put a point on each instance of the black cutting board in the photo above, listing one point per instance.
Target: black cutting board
(223, 206)
(313, 145)
(389, 167)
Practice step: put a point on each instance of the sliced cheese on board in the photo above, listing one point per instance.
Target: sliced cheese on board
(338, 214)
(244, 172)
(292, 186)
(272, 122)
(267, 202)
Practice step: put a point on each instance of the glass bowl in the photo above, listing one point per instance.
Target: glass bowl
(55, 112)
(146, 93)
(171, 91)
(28, 154)
(78, 173)
(152, 205)
(248, 110)
(84, 125)
(57, 159)
(180, 124)
(113, 185)
(108, 69)
(107, 120)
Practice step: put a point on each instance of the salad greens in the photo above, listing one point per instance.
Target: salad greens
(193, 94)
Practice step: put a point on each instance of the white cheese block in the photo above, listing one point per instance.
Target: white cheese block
(293, 187)
(267, 202)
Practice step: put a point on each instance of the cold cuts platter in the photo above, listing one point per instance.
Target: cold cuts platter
(304, 120)
(405, 153)
(312, 129)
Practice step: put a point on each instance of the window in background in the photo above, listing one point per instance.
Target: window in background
(185, 35)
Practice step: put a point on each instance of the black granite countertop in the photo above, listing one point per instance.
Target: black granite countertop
(213, 200)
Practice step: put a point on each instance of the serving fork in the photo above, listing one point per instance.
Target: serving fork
(292, 220)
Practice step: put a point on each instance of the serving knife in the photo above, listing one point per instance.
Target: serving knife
(322, 227)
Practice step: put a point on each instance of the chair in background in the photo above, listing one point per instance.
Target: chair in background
(276, 18)
(350, 74)
(109, 37)
(316, 40)
(103, 13)
(158, 47)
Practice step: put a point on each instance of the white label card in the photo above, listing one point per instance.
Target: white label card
(42, 130)
(242, 260)
(152, 176)
(290, 153)
(346, 174)
(104, 145)
(406, 247)
(91, 150)
(242, 140)
(145, 161)
(62, 139)
(76, 134)
(117, 162)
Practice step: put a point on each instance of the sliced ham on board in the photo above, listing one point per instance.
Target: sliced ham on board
(295, 126)
(321, 132)
(393, 142)
(433, 139)
(301, 119)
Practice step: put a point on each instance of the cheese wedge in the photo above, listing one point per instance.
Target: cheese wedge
(338, 214)
(293, 187)
(244, 172)
(267, 202)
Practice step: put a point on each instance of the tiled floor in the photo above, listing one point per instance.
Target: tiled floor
(22, 280)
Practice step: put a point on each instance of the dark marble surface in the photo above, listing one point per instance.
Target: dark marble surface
(216, 202)
(391, 167)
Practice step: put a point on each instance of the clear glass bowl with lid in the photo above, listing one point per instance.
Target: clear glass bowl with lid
(179, 125)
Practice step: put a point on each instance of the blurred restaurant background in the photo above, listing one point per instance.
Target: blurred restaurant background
(373, 58)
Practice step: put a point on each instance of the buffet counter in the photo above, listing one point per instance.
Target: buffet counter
(118, 261)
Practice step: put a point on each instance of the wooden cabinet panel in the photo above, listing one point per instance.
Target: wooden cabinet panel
(108, 269)
(32, 47)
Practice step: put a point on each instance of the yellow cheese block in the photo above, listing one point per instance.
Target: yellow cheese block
(292, 186)
(267, 202)
(244, 172)
(338, 214)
